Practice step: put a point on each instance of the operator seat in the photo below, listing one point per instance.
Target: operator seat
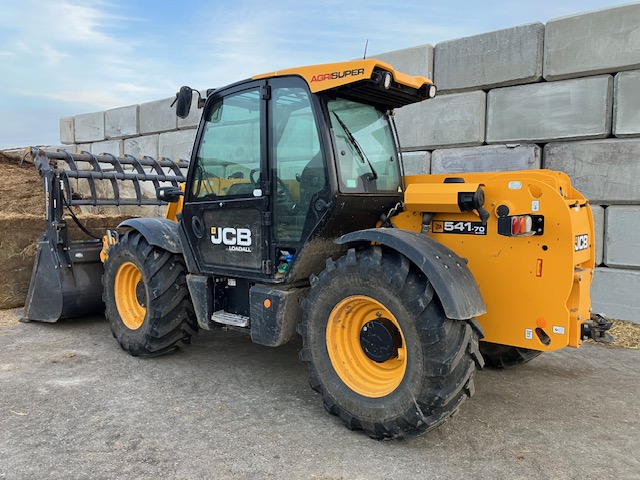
(313, 180)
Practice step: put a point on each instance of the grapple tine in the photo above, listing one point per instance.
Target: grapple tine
(66, 276)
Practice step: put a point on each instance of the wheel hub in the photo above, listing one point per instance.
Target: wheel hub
(380, 340)
(141, 295)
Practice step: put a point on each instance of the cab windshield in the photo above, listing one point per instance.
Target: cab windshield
(366, 157)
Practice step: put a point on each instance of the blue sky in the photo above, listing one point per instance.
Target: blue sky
(66, 57)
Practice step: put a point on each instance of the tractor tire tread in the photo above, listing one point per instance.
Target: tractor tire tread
(170, 319)
(452, 345)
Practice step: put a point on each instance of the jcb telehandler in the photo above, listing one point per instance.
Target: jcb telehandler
(295, 217)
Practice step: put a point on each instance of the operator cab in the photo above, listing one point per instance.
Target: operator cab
(282, 166)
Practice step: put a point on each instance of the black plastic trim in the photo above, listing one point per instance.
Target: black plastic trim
(159, 232)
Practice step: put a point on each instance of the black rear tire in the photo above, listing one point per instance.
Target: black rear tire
(441, 355)
(146, 297)
(505, 356)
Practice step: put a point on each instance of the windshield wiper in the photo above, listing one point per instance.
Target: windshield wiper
(356, 145)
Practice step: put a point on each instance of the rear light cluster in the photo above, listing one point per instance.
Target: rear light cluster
(521, 225)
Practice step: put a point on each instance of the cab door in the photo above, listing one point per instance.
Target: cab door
(226, 212)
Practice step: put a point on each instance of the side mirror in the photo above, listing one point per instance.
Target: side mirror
(183, 98)
(169, 194)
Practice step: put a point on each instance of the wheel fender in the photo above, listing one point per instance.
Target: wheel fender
(448, 273)
(159, 232)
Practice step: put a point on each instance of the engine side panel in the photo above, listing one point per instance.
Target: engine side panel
(536, 287)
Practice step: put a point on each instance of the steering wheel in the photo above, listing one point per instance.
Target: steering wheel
(283, 195)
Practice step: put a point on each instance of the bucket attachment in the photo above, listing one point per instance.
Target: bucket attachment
(65, 283)
(66, 280)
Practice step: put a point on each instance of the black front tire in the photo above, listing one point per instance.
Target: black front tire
(441, 354)
(146, 297)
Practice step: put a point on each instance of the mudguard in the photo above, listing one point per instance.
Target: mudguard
(159, 232)
(448, 273)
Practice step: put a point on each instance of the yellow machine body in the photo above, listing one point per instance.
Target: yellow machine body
(535, 287)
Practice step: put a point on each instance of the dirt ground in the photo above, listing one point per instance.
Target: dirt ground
(74, 405)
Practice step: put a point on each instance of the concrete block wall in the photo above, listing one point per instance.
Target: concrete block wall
(150, 128)
(562, 95)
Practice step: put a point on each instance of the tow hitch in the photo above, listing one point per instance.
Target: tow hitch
(596, 329)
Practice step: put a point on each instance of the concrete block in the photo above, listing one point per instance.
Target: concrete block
(53, 148)
(605, 171)
(626, 104)
(590, 43)
(66, 148)
(416, 163)
(614, 293)
(194, 114)
(622, 238)
(598, 220)
(158, 116)
(489, 158)
(67, 133)
(89, 127)
(505, 57)
(177, 144)
(113, 147)
(412, 61)
(121, 122)
(572, 109)
(142, 146)
(457, 119)
(83, 147)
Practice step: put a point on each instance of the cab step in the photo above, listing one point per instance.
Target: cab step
(227, 318)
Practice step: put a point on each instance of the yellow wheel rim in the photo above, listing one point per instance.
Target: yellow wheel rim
(352, 364)
(129, 289)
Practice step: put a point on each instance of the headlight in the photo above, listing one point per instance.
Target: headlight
(386, 80)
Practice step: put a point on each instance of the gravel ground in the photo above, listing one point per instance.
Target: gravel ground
(73, 405)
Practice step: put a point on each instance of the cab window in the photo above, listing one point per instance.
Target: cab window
(366, 158)
(228, 159)
(299, 171)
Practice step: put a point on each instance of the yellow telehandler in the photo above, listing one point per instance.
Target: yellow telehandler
(295, 217)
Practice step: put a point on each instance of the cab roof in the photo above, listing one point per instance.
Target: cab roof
(361, 80)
